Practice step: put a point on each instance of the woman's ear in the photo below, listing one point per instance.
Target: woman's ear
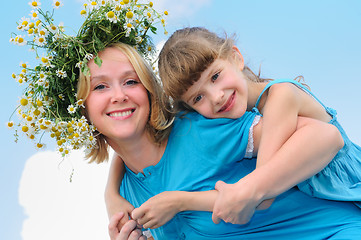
(238, 57)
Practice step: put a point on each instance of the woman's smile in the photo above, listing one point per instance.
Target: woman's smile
(121, 114)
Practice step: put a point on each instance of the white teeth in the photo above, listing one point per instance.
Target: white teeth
(120, 114)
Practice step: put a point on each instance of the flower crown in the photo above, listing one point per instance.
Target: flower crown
(49, 103)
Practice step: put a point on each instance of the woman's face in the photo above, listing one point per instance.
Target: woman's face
(118, 103)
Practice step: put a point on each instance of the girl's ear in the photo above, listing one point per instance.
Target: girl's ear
(238, 57)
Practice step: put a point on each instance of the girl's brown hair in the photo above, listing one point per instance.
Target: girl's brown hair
(160, 118)
(186, 54)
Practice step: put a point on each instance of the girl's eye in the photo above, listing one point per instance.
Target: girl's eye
(215, 76)
(99, 87)
(197, 99)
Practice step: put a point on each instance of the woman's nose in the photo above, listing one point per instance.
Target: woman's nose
(118, 95)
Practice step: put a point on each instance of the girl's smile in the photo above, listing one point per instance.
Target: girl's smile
(229, 104)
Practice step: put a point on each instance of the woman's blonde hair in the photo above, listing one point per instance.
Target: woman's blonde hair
(186, 54)
(160, 118)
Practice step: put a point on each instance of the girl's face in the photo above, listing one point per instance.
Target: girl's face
(221, 91)
(118, 103)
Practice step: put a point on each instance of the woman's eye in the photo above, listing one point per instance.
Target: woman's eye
(131, 82)
(215, 76)
(99, 87)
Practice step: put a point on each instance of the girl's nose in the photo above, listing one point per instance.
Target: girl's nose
(217, 96)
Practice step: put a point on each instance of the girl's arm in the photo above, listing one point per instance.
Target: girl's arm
(159, 209)
(113, 201)
(305, 153)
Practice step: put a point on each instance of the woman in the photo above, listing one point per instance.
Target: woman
(122, 103)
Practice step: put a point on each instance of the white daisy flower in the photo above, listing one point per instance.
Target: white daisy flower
(61, 73)
(71, 109)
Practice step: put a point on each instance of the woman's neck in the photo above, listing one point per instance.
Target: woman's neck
(138, 153)
(254, 90)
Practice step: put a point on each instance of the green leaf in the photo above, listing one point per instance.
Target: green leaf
(98, 61)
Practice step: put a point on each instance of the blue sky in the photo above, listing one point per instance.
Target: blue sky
(317, 39)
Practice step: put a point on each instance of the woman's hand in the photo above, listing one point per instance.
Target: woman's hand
(158, 210)
(236, 203)
(129, 231)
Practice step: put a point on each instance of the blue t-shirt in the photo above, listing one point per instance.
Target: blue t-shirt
(202, 151)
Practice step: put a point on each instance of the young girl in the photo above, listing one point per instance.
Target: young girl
(205, 73)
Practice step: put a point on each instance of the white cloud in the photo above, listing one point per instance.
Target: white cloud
(181, 9)
(57, 208)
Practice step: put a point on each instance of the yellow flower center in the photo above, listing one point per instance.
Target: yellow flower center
(24, 102)
(129, 25)
(34, 4)
(129, 14)
(39, 103)
(36, 112)
(20, 40)
(57, 4)
(110, 14)
(25, 23)
(41, 40)
(44, 60)
(34, 14)
(126, 1)
(38, 22)
(31, 25)
(151, 4)
(148, 14)
(94, 3)
(39, 145)
(82, 12)
(31, 31)
(25, 128)
(10, 124)
(165, 12)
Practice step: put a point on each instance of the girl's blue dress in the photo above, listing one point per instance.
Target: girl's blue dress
(341, 178)
(202, 151)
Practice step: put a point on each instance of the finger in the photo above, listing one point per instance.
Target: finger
(136, 234)
(215, 219)
(219, 185)
(151, 224)
(143, 220)
(137, 213)
(127, 230)
(123, 220)
(114, 220)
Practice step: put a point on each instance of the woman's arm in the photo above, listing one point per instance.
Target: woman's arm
(305, 153)
(159, 209)
(113, 201)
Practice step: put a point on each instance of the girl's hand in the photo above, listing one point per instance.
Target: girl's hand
(236, 203)
(158, 210)
(116, 204)
(129, 231)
